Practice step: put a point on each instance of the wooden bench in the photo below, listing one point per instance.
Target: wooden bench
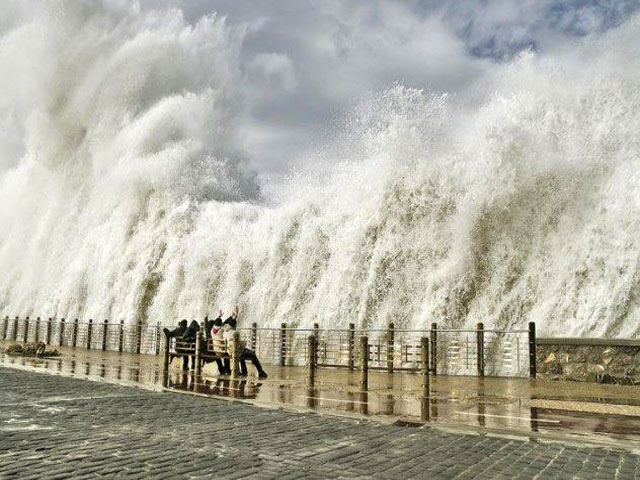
(178, 348)
(226, 350)
(200, 351)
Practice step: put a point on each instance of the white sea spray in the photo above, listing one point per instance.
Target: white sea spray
(125, 194)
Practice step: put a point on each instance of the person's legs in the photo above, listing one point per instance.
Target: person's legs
(221, 369)
(250, 355)
(185, 362)
(227, 366)
(243, 367)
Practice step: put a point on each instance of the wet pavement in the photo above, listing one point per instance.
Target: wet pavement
(604, 414)
(56, 427)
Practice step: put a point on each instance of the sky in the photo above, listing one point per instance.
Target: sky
(305, 63)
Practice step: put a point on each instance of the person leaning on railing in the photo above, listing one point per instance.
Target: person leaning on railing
(189, 337)
(229, 327)
(178, 333)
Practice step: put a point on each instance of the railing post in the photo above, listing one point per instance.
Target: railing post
(364, 362)
(158, 337)
(37, 329)
(434, 347)
(75, 333)
(351, 340)
(283, 344)
(254, 336)
(25, 333)
(14, 335)
(61, 333)
(105, 331)
(316, 332)
(121, 336)
(5, 326)
(167, 341)
(532, 349)
(480, 349)
(311, 359)
(424, 347)
(235, 357)
(198, 354)
(49, 327)
(138, 338)
(89, 333)
(390, 345)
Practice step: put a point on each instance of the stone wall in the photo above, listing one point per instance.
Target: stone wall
(589, 360)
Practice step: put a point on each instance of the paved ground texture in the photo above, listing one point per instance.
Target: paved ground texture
(56, 427)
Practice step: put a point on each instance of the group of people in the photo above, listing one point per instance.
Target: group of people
(218, 334)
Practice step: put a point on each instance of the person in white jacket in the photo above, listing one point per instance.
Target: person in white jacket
(228, 329)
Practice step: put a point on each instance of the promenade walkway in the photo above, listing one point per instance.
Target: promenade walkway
(57, 427)
(605, 414)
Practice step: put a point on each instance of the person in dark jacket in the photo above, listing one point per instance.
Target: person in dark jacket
(178, 333)
(190, 335)
(191, 332)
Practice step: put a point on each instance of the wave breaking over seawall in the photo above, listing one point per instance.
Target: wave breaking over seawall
(125, 193)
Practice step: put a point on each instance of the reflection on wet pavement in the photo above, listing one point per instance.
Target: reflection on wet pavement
(588, 411)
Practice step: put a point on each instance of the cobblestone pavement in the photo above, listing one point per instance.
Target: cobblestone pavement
(56, 427)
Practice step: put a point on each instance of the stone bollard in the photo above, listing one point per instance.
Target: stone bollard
(390, 344)
(434, 347)
(49, 327)
(25, 333)
(75, 334)
(121, 336)
(105, 333)
(424, 366)
(61, 333)
(311, 359)
(235, 355)
(89, 333)
(364, 362)
(480, 349)
(351, 340)
(532, 350)
(283, 344)
(254, 336)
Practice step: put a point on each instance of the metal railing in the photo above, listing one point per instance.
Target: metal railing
(476, 351)
(89, 335)
(453, 351)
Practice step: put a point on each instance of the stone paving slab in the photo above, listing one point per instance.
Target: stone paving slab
(57, 427)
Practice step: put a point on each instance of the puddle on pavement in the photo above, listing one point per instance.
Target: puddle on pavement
(505, 404)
